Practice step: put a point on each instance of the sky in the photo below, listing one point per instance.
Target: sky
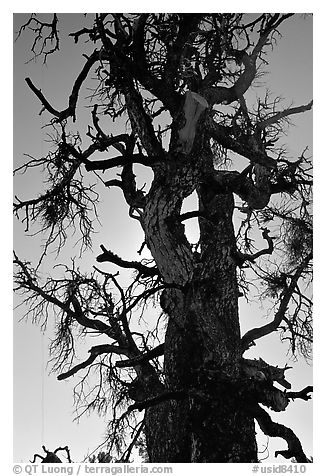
(42, 406)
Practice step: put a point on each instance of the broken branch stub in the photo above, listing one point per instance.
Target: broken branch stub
(194, 105)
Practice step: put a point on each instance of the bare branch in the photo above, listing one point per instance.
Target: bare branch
(134, 197)
(73, 98)
(151, 354)
(126, 456)
(266, 251)
(189, 215)
(95, 324)
(225, 95)
(44, 101)
(65, 448)
(173, 395)
(271, 428)
(37, 26)
(36, 456)
(282, 114)
(95, 352)
(27, 281)
(259, 332)
(256, 193)
(118, 161)
(159, 88)
(302, 394)
(51, 457)
(111, 257)
(78, 367)
(223, 135)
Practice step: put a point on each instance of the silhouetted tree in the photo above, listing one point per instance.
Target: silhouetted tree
(179, 85)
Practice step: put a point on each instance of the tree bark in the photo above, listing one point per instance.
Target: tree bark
(202, 341)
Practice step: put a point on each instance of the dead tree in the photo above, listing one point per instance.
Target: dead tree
(180, 84)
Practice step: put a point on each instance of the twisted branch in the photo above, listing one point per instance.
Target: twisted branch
(270, 428)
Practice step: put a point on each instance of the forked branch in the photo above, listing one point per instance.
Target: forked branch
(70, 111)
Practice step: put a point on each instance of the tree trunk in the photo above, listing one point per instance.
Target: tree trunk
(202, 342)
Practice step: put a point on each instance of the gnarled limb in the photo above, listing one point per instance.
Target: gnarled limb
(302, 394)
(270, 428)
(51, 457)
(261, 387)
(266, 251)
